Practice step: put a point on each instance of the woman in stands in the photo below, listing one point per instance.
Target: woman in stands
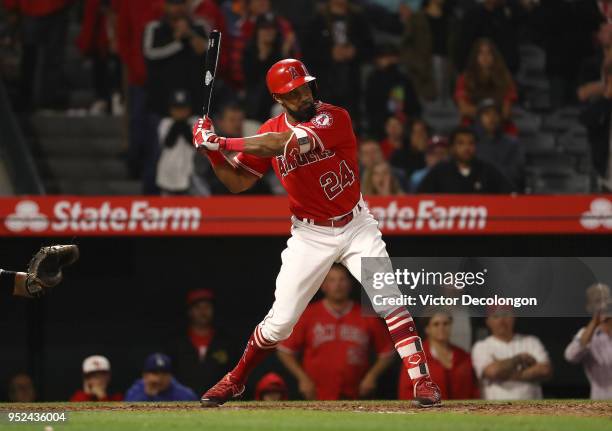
(378, 180)
(486, 77)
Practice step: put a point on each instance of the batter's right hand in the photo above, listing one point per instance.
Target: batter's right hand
(307, 388)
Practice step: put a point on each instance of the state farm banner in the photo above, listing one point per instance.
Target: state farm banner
(269, 215)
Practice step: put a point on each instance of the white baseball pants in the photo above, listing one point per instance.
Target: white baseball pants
(311, 251)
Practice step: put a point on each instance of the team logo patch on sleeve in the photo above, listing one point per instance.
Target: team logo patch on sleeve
(323, 120)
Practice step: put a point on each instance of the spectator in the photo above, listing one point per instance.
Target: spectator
(497, 147)
(210, 12)
(370, 153)
(379, 180)
(271, 387)
(509, 366)
(592, 345)
(596, 118)
(389, 15)
(21, 389)
(97, 41)
(498, 21)
(426, 49)
(486, 77)
(437, 151)
(265, 48)
(246, 29)
(389, 92)
(339, 42)
(411, 158)
(335, 340)
(568, 40)
(96, 378)
(449, 365)
(464, 172)
(175, 165)
(158, 383)
(590, 78)
(174, 48)
(203, 354)
(298, 12)
(394, 137)
(44, 28)
(132, 18)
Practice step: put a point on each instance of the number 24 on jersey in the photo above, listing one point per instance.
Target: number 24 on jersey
(334, 183)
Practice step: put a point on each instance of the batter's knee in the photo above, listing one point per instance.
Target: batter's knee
(276, 329)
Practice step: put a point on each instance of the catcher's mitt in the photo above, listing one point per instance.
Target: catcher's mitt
(45, 268)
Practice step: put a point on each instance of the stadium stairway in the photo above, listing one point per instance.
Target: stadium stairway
(81, 156)
(78, 153)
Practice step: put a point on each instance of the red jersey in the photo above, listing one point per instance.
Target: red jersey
(336, 348)
(201, 342)
(456, 383)
(324, 182)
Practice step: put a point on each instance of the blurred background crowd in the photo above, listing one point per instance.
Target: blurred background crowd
(336, 352)
(446, 96)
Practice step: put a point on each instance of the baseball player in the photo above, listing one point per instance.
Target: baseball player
(313, 150)
(44, 271)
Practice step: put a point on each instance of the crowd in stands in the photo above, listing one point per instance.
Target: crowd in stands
(336, 351)
(386, 62)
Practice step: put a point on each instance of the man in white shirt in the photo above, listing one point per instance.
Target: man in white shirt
(592, 345)
(509, 366)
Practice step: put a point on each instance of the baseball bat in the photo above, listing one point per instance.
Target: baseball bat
(212, 59)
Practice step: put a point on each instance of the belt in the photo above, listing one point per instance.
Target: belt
(337, 222)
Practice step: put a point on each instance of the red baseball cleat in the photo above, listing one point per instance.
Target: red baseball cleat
(225, 390)
(426, 393)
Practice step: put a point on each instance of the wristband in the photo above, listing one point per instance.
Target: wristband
(233, 144)
(215, 157)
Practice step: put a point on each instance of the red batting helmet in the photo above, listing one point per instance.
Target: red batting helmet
(286, 75)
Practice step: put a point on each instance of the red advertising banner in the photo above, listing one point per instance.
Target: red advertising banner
(269, 215)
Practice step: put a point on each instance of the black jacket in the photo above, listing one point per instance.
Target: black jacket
(505, 153)
(258, 101)
(172, 65)
(220, 357)
(338, 83)
(484, 178)
(382, 89)
(407, 159)
(596, 118)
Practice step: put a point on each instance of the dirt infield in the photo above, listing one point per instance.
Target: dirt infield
(577, 408)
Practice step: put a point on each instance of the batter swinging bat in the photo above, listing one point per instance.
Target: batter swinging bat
(212, 58)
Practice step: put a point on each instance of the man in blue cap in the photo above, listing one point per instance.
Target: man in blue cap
(158, 384)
